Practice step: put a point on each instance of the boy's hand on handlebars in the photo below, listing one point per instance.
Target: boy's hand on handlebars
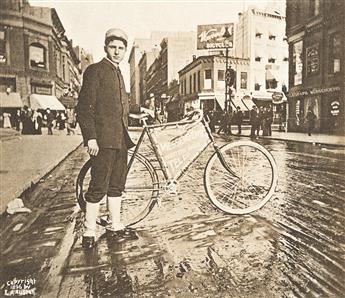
(92, 147)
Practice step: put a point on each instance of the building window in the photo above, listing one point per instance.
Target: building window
(64, 67)
(190, 84)
(221, 75)
(3, 56)
(285, 59)
(271, 60)
(334, 53)
(258, 58)
(184, 86)
(297, 62)
(257, 87)
(181, 87)
(313, 60)
(194, 82)
(37, 55)
(199, 85)
(271, 84)
(271, 36)
(208, 79)
(243, 80)
(208, 74)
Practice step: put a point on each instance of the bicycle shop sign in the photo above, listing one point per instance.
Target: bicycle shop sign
(314, 91)
(212, 36)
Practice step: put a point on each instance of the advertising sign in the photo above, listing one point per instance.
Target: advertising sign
(211, 36)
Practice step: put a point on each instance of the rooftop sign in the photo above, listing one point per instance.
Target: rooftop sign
(212, 36)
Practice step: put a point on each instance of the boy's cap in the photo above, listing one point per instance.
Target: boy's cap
(117, 33)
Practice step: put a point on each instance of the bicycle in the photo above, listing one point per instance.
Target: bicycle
(239, 178)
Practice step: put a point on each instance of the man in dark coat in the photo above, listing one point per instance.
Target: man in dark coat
(254, 121)
(102, 113)
(239, 119)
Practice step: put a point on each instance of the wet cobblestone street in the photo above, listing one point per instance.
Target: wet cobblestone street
(293, 247)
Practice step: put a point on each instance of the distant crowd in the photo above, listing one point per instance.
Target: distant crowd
(30, 122)
(260, 120)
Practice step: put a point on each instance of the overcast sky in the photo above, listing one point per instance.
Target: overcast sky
(86, 21)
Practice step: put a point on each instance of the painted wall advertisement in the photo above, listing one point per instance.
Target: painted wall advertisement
(211, 36)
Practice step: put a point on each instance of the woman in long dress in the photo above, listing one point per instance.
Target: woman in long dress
(7, 121)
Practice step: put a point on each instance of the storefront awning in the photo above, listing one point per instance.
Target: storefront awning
(245, 103)
(10, 100)
(43, 102)
(221, 100)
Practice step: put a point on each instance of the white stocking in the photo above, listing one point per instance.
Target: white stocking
(114, 207)
(91, 214)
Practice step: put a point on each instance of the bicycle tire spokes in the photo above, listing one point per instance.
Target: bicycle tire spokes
(250, 187)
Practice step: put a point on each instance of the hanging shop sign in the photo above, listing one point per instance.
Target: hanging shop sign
(212, 36)
(313, 91)
(335, 107)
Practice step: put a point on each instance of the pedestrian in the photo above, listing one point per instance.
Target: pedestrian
(62, 124)
(213, 120)
(262, 122)
(224, 123)
(102, 113)
(37, 121)
(238, 119)
(17, 119)
(269, 120)
(49, 117)
(70, 121)
(6, 119)
(254, 122)
(310, 120)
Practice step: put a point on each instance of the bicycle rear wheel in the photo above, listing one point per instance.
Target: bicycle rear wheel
(248, 185)
(142, 190)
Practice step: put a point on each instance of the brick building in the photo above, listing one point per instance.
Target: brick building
(315, 31)
(36, 57)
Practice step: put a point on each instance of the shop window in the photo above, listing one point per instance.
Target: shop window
(314, 8)
(37, 55)
(313, 59)
(243, 80)
(3, 54)
(297, 62)
(334, 53)
(221, 76)
(271, 84)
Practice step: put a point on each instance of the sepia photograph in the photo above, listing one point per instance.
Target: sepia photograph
(170, 148)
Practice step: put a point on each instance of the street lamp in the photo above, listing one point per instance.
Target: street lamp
(227, 44)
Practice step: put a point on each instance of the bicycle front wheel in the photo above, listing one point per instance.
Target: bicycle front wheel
(241, 177)
(142, 190)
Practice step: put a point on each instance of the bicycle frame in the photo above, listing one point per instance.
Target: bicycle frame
(170, 177)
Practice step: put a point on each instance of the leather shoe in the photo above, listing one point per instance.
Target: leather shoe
(88, 242)
(127, 233)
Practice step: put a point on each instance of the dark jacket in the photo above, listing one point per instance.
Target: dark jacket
(103, 107)
(238, 117)
(254, 117)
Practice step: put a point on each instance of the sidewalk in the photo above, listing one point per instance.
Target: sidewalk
(25, 159)
(315, 139)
